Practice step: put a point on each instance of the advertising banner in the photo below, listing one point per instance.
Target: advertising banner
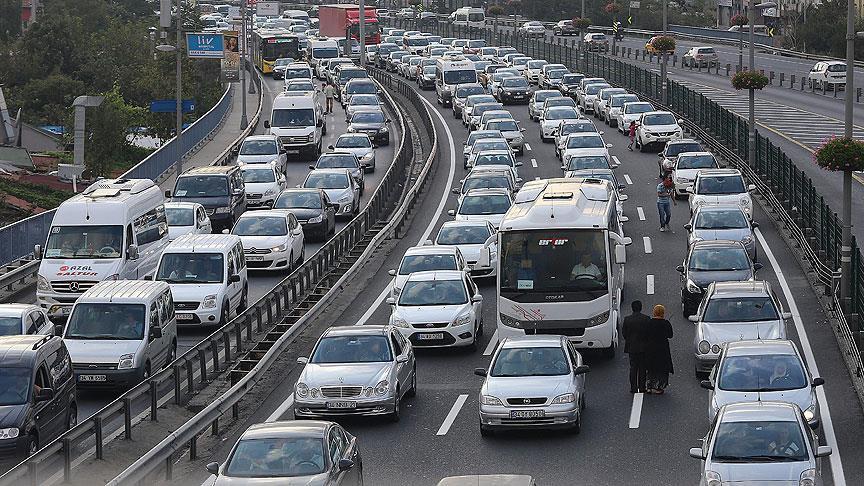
(231, 59)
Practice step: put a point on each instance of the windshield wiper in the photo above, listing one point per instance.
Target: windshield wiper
(770, 458)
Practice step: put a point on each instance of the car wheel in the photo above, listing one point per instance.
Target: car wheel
(485, 431)
(172, 354)
(72, 417)
(291, 262)
(244, 300)
(480, 328)
(640, 145)
(146, 374)
(224, 315)
(577, 426)
(394, 417)
(32, 444)
(412, 392)
(582, 401)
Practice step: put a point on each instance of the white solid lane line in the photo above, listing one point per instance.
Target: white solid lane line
(636, 410)
(627, 178)
(492, 343)
(527, 147)
(641, 213)
(534, 163)
(649, 284)
(451, 416)
(827, 423)
(647, 242)
(438, 212)
(280, 411)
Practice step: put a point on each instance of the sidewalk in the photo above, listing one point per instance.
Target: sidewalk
(222, 139)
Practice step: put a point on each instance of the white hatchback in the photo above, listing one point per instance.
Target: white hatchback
(721, 187)
(272, 240)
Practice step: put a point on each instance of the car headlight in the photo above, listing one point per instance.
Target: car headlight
(126, 361)
(223, 210)
(715, 348)
(346, 198)
(10, 433)
(699, 202)
(518, 140)
(282, 247)
(316, 219)
(269, 192)
(42, 284)
(382, 387)
(399, 322)
(808, 478)
(301, 389)
(692, 287)
(747, 239)
(681, 180)
(210, 301)
(565, 398)
(351, 129)
(704, 347)
(744, 202)
(810, 413)
(368, 156)
(490, 400)
(463, 320)
(712, 479)
(383, 130)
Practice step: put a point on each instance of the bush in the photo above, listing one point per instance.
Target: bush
(749, 80)
(581, 23)
(840, 154)
(496, 10)
(739, 20)
(663, 43)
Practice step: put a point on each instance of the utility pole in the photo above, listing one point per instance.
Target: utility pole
(665, 60)
(582, 11)
(244, 120)
(362, 31)
(179, 102)
(846, 236)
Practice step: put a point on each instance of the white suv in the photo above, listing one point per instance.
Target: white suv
(657, 127)
(720, 187)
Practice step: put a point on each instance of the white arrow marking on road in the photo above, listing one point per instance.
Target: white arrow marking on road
(627, 178)
(636, 410)
(451, 417)
(649, 284)
(641, 213)
(647, 242)
(492, 343)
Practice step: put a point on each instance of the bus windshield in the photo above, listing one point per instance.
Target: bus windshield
(571, 262)
(325, 52)
(90, 241)
(460, 77)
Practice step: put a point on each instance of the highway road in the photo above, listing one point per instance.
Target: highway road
(625, 438)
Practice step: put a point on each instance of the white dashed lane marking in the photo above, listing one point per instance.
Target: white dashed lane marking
(647, 242)
(451, 417)
(641, 213)
(627, 178)
(649, 284)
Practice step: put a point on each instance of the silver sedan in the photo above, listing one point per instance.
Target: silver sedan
(533, 381)
(356, 370)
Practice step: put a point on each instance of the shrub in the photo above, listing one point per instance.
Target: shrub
(749, 80)
(496, 10)
(581, 23)
(663, 43)
(840, 154)
(612, 8)
(739, 20)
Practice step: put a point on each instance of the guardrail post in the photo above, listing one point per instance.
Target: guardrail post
(154, 404)
(193, 448)
(127, 417)
(792, 81)
(175, 368)
(235, 409)
(202, 361)
(67, 459)
(190, 376)
(214, 346)
(802, 85)
(728, 68)
(857, 94)
(33, 472)
(782, 78)
(674, 59)
(97, 429)
(835, 90)
(169, 467)
(226, 336)
(215, 427)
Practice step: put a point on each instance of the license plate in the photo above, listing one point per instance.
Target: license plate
(430, 336)
(518, 97)
(184, 317)
(522, 414)
(342, 405)
(254, 259)
(92, 378)
(293, 151)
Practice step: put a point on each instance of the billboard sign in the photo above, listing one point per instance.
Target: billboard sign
(231, 58)
(205, 45)
(267, 9)
(170, 106)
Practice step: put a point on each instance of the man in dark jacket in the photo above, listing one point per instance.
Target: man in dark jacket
(635, 327)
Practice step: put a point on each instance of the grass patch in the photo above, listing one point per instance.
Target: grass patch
(44, 197)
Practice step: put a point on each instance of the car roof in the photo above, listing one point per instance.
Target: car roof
(430, 250)
(695, 154)
(760, 411)
(15, 309)
(535, 341)
(210, 170)
(371, 330)
(682, 140)
(19, 349)
(760, 347)
(332, 170)
(656, 112)
(488, 191)
(718, 172)
(473, 222)
(265, 213)
(266, 137)
(494, 152)
(431, 275)
(716, 244)
(741, 289)
(181, 204)
(294, 428)
(717, 208)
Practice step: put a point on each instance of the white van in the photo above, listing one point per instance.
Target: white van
(208, 278)
(114, 230)
(448, 74)
(119, 333)
(319, 50)
(471, 17)
(298, 121)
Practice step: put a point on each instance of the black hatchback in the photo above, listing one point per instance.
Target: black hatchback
(713, 261)
(312, 208)
(38, 396)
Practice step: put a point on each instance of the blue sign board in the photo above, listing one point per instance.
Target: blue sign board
(205, 45)
(170, 106)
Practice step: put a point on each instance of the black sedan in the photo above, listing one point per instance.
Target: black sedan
(313, 210)
(513, 90)
(712, 261)
(372, 123)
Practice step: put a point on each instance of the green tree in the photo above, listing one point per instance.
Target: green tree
(107, 147)
(10, 20)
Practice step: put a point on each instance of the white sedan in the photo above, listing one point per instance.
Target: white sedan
(272, 239)
(533, 28)
(263, 184)
(483, 205)
(472, 238)
(360, 145)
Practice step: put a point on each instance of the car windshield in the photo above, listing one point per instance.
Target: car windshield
(706, 50)
(325, 52)
(579, 127)
(761, 373)
(740, 309)
(191, 268)
(300, 86)
(532, 361)
(837, 68)
(619, 100)
(589, 141)
(301, 117)
(353, 142)
(201, 186)
(484, 145)
(14, 385)
(433, 292)
(557, 73)
(258, 175)
(277, 457)
(697, 162)
(368, 117)
(260, 226)
(486, 182)
(84, 242)
(571, 79)
(759, 442)
(493, 159)
(259, 147)
(503, 125)
(719, 259)
(463, 235)
(480, 109)
(659, 119)
(423, 263)
(352, 349)
(536, 64)
(298, 200)
(180, 216)
(717, 220)
(710, 185)
(552, 102)
(417, 41)
(337, 161)
(429, 70)
(298, 73)
(479, 99)
(519, 82)
(593, 89)
(460, 76)
(107, 321)
(674, 149)
(479, 135)
(561, 113)
(588, 162)
(484, 204)
(362, 88)
(326, 181)
(535, 263)
(636, 108)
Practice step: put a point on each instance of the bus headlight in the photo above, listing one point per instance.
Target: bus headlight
(704, 347)
(598, 319)
(42, 284)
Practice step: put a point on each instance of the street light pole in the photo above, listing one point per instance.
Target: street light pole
(244, 120)
(582, 12)
(846, 236)
(362, 32)
(664, 64)
(179, 102)
(751, 136)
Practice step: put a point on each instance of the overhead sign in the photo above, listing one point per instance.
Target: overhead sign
(771, 12)
(231, 58)
(267, 9)
(205, 45)
(170, 106)
(234, 12)
(635, 4)
(724, 3)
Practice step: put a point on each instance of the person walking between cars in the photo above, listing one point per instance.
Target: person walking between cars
(658, 357)
(329, 94)
(631, 130)
(665, 200)
(634, 329)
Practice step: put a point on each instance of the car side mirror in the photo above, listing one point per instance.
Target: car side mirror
(234, 278)
(451, 212)
(44, 394)
(303, 360)
(345, 464)
(696, 453)
(155, 333)
(213, 468)
(480, 371)
(485, 258)
(660, 155)
(330, 147)
(680, 121)
(319, 123)
(688, 227)
(706, 384)
(235, 150)
(266, 123)
(757, 266)
(786, 315)
(403, 358)
(132, 252)
(581, 370)
(680, 268)
(390, 301)
(476, 298)
(754, 224)
(751, 187)
(693, 319)
(311, 167)
(823, 451)
(168, 194)
(58, 329)
(817, 381)
(37, 252)
(620, 254)
(689, 189)
(226, 231)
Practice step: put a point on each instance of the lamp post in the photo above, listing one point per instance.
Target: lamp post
(664, 64)
(362, 31)
(751, 137)
(846, 235)
(244, 120)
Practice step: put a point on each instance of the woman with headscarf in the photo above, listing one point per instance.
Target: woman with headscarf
(658, 356)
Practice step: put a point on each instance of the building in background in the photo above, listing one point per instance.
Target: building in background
(29, 11)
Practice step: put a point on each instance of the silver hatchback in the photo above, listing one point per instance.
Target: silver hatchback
(722, 223)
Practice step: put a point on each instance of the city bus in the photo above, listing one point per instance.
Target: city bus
(269, 45)
(561, 255)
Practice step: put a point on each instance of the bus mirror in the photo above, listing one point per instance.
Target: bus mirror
(620, 254)
(37, 252)
(485, 258)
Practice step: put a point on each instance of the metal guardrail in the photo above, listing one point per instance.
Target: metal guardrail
(283, 308)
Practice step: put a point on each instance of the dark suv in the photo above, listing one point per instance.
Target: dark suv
(220, 189)
(37, 393)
